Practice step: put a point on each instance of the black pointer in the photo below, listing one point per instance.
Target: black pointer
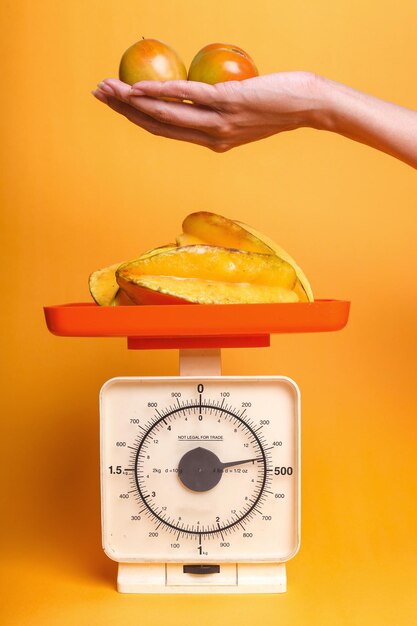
(231, 463)
(201, 470)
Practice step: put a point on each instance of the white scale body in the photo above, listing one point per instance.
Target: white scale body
(200, 479)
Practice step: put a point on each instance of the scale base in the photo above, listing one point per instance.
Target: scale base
(232, 578)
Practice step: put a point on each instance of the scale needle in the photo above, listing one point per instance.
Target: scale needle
(231, 463)
(200, 469)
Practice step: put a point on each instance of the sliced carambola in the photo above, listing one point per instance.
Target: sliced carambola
(213, 263)
(103, 284)
(210, 228)
(171, 290)
(208, 274)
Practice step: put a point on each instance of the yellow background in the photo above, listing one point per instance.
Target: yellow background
(83, 188)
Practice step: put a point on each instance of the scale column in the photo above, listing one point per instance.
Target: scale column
(200, 362)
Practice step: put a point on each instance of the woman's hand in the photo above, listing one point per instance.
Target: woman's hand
(226, 115)
(221, 116)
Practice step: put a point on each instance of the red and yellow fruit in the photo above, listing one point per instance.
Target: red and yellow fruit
(219, 62)
(151, 59)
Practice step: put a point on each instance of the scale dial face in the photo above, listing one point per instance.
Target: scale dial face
(200, 469)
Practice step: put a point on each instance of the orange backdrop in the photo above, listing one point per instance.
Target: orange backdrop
(82, 188)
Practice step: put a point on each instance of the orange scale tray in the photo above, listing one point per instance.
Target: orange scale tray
(195, 326)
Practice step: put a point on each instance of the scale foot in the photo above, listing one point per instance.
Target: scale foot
(228, 578)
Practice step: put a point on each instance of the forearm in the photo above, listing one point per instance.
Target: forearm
(379, 124)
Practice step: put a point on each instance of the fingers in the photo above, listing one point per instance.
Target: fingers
(100, 95)
(199, 93)
(155, 127)
(175, 113)
(114, 87)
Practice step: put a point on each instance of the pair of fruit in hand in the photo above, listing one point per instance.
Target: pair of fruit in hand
(150, 59)
(215, 260)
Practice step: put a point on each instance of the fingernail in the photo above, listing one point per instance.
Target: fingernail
(99, 95)
(105, 87)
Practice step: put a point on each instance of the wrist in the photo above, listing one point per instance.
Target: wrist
(323, 111)
(377, 123)
(339, 108)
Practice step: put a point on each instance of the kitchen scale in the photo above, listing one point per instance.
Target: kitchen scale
(200, 473)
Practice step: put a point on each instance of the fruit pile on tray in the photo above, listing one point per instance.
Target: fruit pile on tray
(215, 260)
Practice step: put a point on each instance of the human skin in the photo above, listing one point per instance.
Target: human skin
(227, 115)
